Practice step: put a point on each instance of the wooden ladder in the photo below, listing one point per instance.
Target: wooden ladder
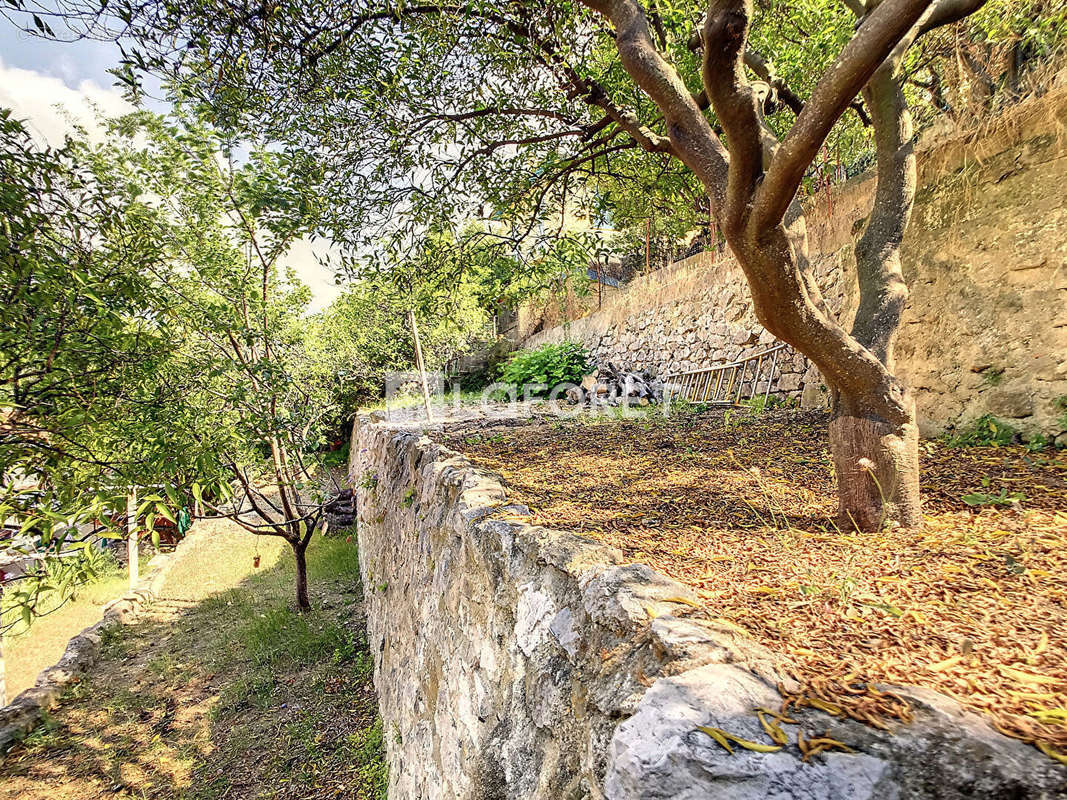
(727, 384)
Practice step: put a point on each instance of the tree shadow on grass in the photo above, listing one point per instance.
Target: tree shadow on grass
(231, 695)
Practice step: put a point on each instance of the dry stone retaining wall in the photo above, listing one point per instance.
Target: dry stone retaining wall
(518, 663)
(985, 329)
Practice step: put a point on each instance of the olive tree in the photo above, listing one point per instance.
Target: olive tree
(430, 109)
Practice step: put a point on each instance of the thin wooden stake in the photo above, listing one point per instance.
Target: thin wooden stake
(648, 243)
(3, 669)
(713, 230)
(131, 536)
(599, 285)
(421, 365)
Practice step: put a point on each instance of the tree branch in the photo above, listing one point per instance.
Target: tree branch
(692, 139)
(734, 101)
(876, 38)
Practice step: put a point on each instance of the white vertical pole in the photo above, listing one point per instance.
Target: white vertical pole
(131, 535)
(421, 365)
(3, 672)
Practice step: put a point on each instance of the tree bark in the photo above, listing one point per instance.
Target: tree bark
(877, 467)
(300, 555)
(873, 433)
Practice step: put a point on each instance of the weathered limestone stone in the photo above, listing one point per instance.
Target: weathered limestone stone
(518, 663)
(815, 393)
(789, 382)
(945, 753)
(1014, 402)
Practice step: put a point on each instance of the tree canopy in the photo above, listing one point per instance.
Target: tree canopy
(154, 336)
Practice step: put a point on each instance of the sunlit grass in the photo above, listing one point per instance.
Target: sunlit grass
(224, 690)
(28, 651)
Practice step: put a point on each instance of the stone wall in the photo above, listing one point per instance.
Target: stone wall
(985, 330)
(514, 662)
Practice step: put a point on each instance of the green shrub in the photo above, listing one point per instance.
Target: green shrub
(986, 431)
(551, 364)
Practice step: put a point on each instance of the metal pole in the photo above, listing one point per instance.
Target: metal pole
(131, 536)
(421, 365)
(706, 387)
(741, 383)
(718, 385)
(770, 375)
(755, 376)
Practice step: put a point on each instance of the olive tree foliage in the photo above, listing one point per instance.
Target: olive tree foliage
(427, 110)
(79, 346)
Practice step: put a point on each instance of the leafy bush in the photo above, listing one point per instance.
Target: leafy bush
(338, 457)
(551, 364)
(986, 431)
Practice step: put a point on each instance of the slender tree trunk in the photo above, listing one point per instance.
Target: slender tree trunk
(300, 554)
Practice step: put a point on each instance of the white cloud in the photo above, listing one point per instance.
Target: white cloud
(52, 108)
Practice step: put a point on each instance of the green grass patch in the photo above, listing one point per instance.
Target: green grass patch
(28, 651)
(231, 694)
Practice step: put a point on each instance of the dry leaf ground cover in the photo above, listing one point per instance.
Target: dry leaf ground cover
(222, 691)
(739, 508)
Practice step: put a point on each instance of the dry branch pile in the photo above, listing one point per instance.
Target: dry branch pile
(974, 605)
(611, 385)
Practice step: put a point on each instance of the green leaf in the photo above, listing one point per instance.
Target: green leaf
(165, 512)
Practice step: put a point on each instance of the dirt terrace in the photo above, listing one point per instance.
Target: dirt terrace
(974, 605)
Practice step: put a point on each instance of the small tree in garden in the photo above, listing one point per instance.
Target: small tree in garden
(243, 393)
(151, 337)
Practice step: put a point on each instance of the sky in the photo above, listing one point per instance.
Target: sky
(52, 85)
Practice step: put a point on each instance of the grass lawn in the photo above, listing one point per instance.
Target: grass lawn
(28, 651)
(222, 691)
(973, 605)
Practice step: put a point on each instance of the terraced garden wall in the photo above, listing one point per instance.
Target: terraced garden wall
(985, 330)
(512, 661)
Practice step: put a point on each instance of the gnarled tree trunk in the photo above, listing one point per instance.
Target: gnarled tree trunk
(877, 469)
(877, 460)
(753, 187)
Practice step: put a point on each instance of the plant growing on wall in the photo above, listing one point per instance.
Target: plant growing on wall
(548, 365)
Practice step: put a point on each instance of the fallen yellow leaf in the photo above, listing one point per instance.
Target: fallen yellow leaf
(1026, 677)
(1053, 754)
(948, 663)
